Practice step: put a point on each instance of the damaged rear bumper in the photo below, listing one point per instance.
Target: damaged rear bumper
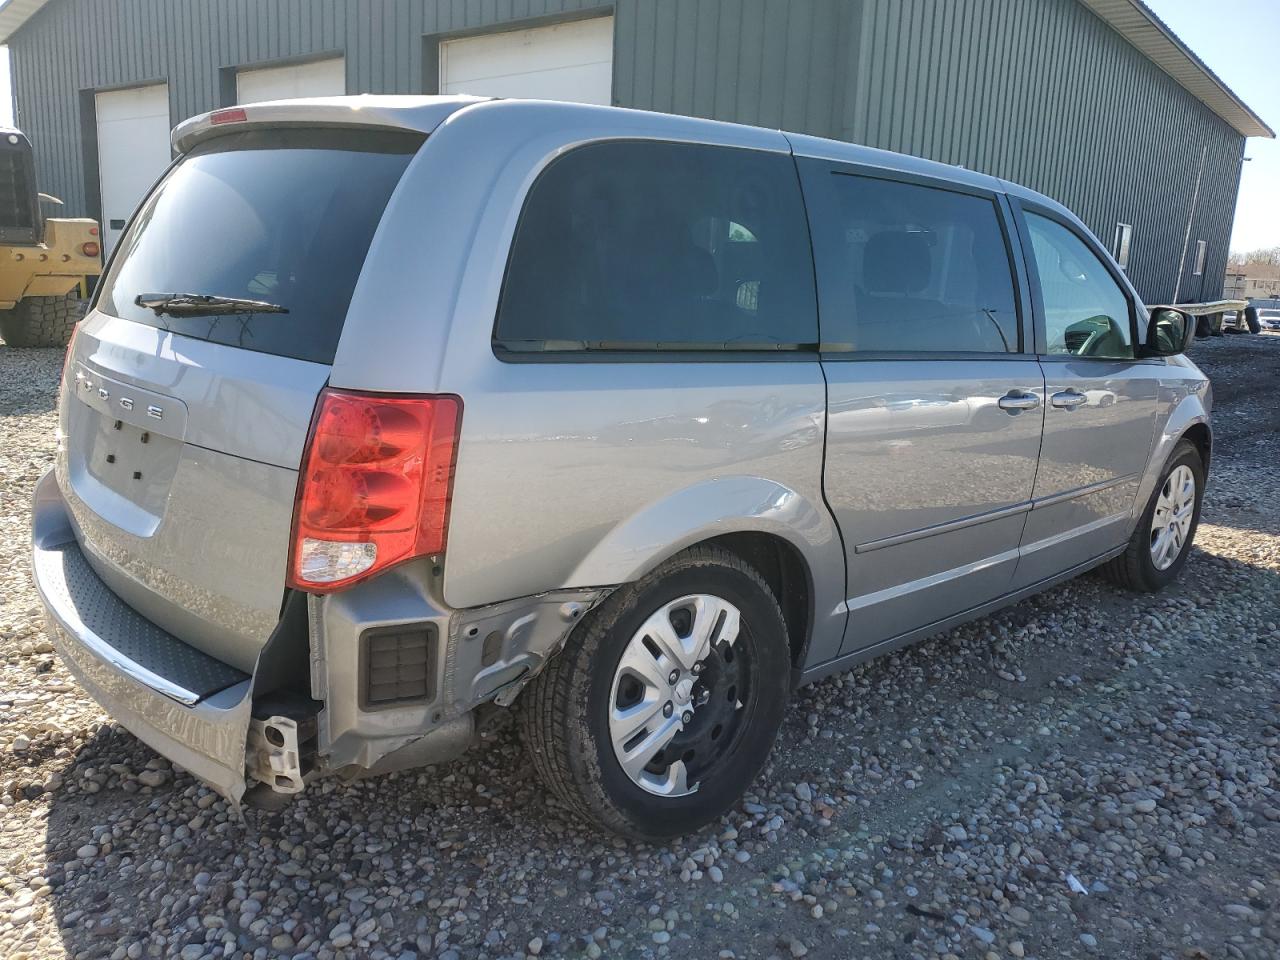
(224, 726)
(182, 703)
(477, 656)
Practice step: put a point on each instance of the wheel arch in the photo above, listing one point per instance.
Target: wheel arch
(1201, 436)
(1188, 418)
(785, 570)
(788, 538)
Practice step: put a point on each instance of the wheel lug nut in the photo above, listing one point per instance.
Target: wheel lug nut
(668, 709)
(687, 716)
(697, 668)
(675, 675)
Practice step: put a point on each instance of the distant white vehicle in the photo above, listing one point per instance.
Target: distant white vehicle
(1253, 319)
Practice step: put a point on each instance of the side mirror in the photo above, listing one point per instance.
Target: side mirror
(1169, 332)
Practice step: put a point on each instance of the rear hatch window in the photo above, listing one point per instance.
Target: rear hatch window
(280, 217)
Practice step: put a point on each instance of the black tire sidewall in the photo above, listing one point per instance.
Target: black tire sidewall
(763, 628)
(41, 321)
(1185, 454)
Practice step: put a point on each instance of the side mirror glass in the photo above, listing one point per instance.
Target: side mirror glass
(1169, 332)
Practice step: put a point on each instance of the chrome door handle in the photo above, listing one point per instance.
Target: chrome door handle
(1068, 399)
(1016, 400)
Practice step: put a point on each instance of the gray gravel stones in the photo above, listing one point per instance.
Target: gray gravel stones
(1085, 774)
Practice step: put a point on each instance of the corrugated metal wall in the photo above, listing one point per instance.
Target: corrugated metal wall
(1046, 94)
(773, 63)
(75, 45)
(1037, 91)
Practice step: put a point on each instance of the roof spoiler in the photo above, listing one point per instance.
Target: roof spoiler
(417, 114)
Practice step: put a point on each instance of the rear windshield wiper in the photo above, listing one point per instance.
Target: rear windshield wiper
(196, 304)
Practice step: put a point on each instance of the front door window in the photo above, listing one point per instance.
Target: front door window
(1086, 314)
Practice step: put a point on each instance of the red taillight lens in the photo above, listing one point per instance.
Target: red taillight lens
(374, 488)
(90, 248)
(232, 115)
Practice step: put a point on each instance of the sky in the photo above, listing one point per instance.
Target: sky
(6, 89)
(1238, 39)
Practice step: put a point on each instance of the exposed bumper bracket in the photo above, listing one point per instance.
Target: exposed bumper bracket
(274, 754)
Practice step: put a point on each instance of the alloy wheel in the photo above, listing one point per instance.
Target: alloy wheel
(1171, 522)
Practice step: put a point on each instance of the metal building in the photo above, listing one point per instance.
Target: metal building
(1094, 102)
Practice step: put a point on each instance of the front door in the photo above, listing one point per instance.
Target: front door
(934, 408)
(1100, 413)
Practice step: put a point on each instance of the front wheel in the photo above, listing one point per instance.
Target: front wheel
(1159, 546)
(665, 703)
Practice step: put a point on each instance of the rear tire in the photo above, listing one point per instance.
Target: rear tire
(41, 321)
(1251, 320)
(1137, 568)
(576, 716)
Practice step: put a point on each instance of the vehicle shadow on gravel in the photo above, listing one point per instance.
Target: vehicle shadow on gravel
(138, 855)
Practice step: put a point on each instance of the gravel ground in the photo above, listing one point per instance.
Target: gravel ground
(1088, 773)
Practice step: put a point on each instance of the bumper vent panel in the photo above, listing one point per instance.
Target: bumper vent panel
(398, 665)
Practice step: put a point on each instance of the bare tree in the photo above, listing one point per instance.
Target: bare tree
(1269, 256)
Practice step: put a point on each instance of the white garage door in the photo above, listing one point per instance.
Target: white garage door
(568, 61)
(133, 150)
(320, 78)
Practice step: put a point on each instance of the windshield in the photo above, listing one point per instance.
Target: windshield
(278, 217)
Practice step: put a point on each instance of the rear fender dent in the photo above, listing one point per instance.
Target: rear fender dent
(496, 650)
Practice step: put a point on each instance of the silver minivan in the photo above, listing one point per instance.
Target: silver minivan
(393, 416)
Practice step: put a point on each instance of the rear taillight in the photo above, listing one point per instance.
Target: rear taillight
(374, 488)
(90, 248)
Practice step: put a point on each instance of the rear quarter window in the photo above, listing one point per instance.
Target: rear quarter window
(657, 246)
(282, 216)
